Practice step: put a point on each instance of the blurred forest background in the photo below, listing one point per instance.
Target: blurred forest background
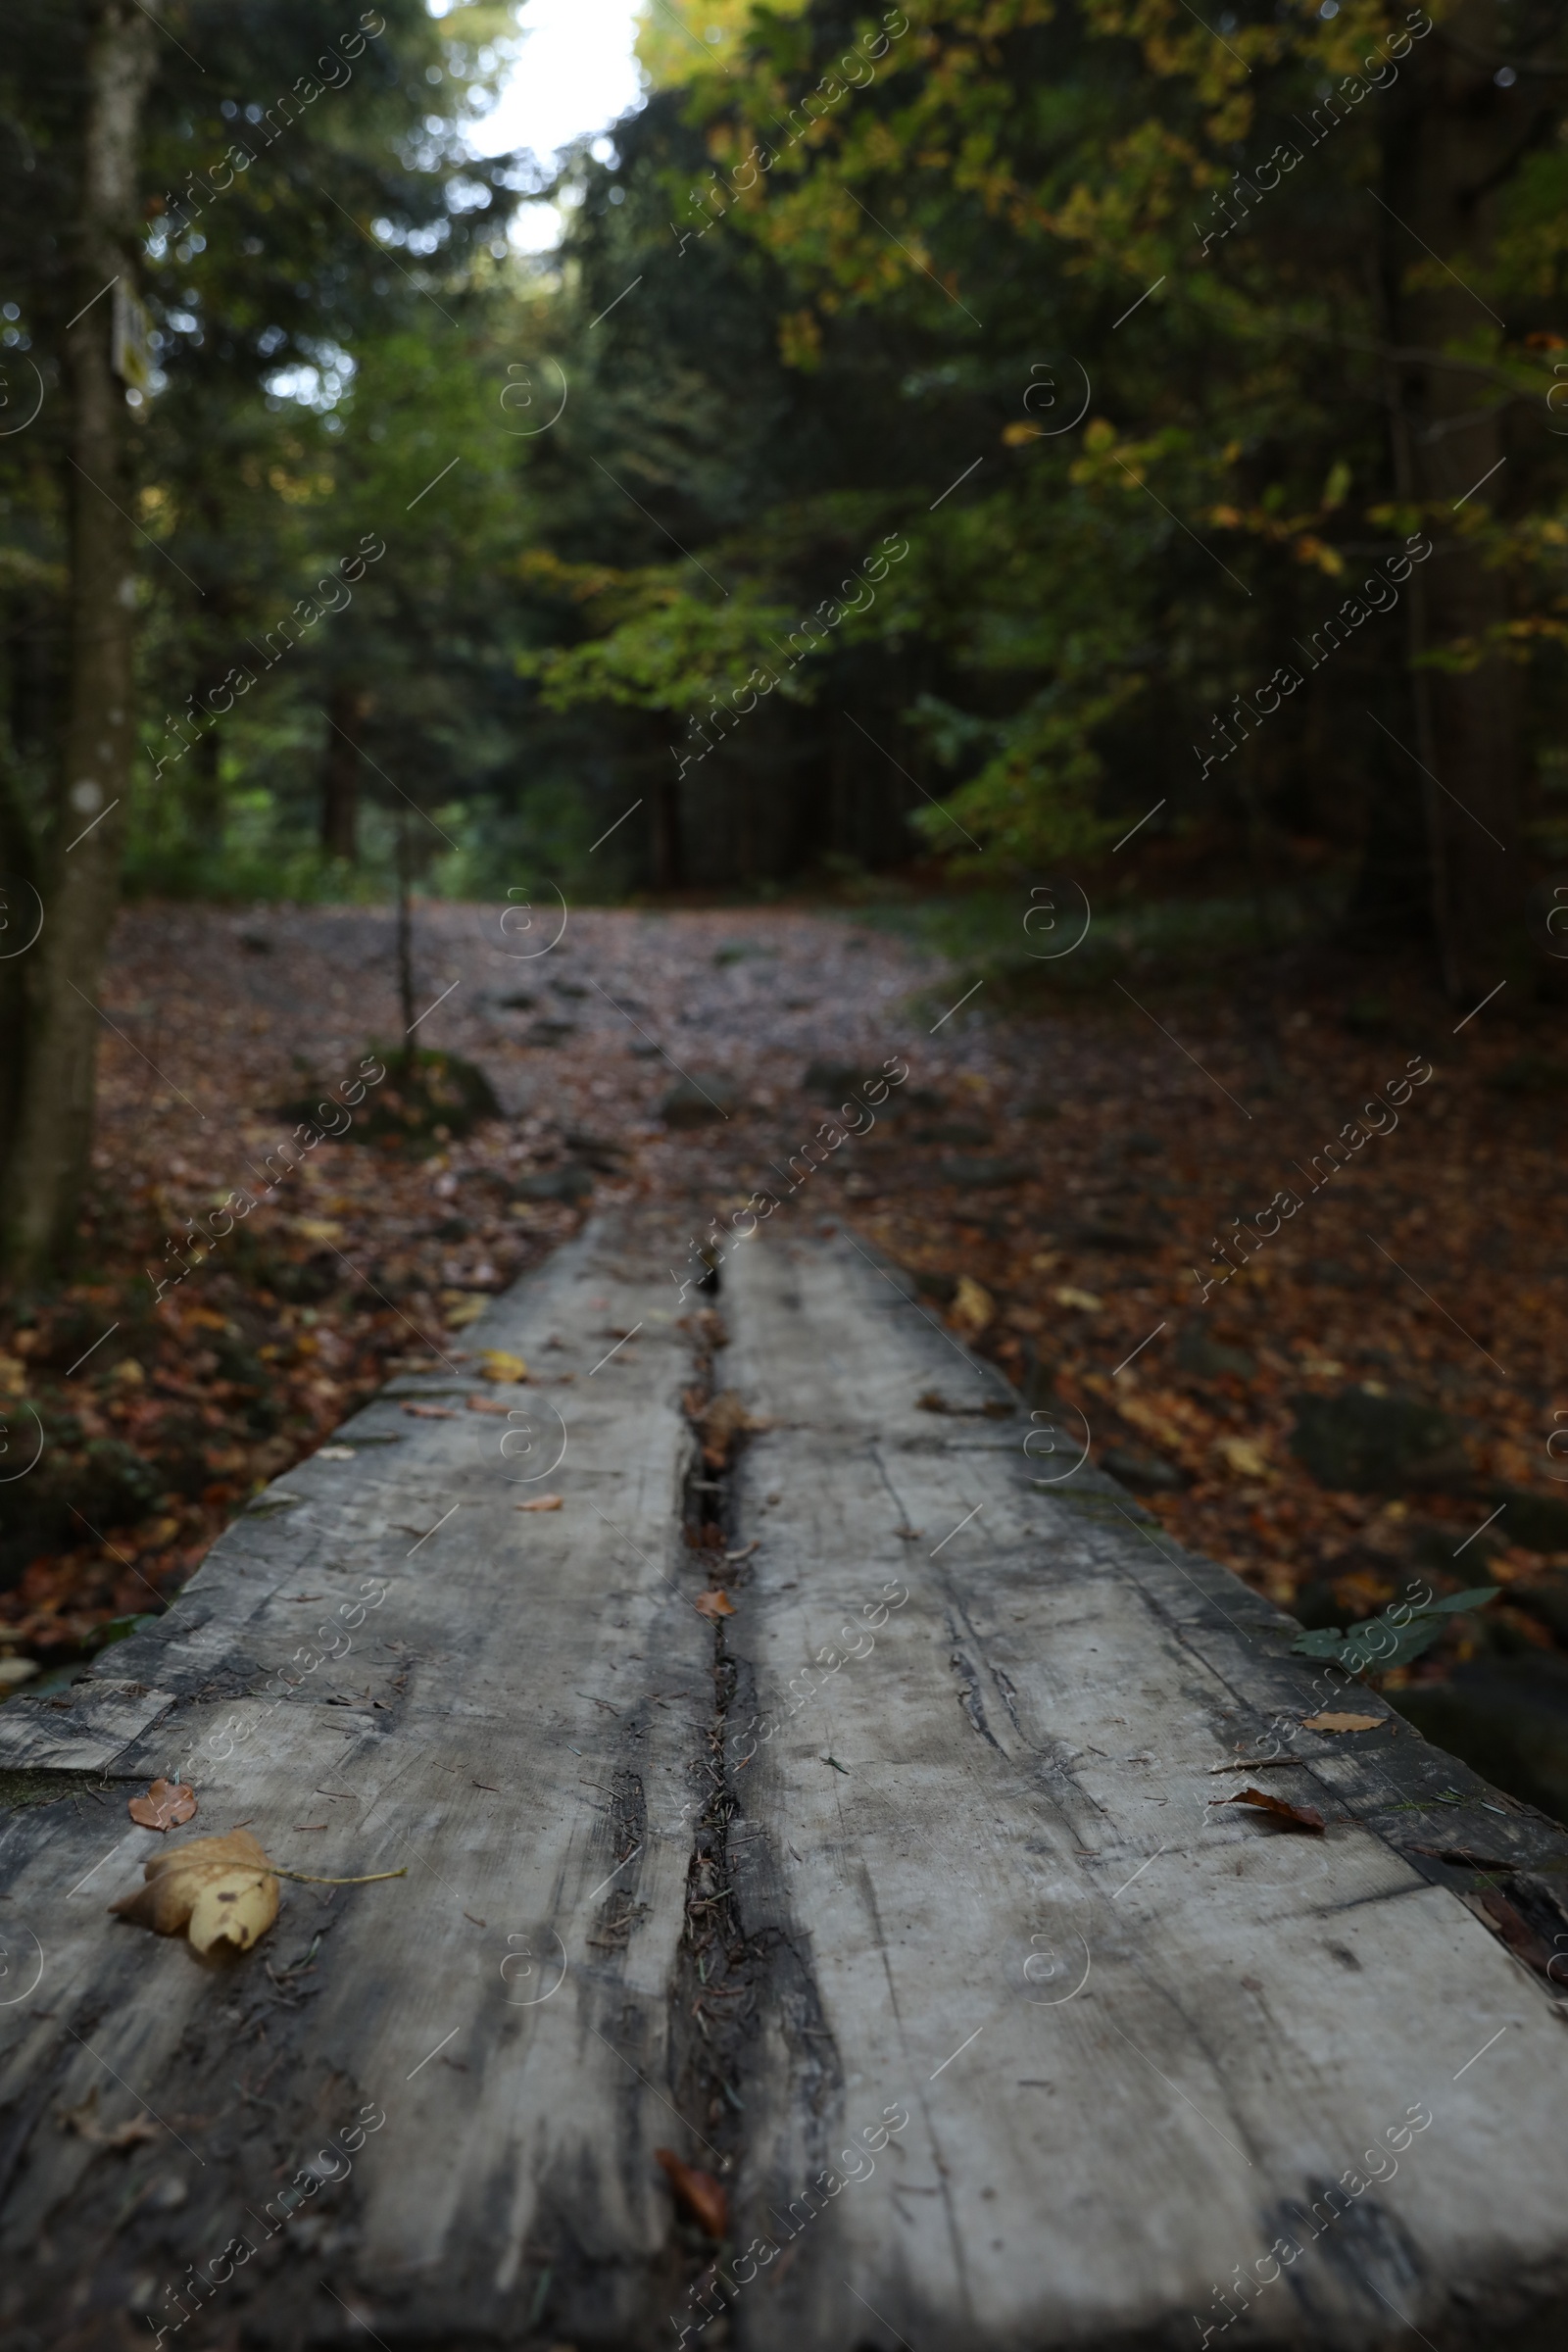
(1141, 339)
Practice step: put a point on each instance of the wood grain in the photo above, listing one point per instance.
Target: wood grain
(1000, 2031)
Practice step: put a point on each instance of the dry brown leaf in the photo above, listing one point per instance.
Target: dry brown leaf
(487, 1405)
(1499, 1914)
(540, 1503)
(1243, 1456)
(721, 1421)
(83, 2121)
(973, 1309)
(699, 2195)
(1341, 1723)
(165, 1806)
(430, 1412)
(1293, 1816)
(219, 1889)
(713, 1605)
(496, 1364)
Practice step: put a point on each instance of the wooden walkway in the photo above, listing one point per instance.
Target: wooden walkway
(901, 1900)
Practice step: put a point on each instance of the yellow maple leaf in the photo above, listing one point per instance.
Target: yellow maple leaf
(219, 1889)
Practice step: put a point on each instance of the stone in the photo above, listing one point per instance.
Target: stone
(1211, 1359)
(953, 1131)
(984, 1175)
(1360, 1443)
(1535, 1522)
(1145, 1473)
(699, 1100)
(571, 1183)
(1507, 1718)
(835, 1081)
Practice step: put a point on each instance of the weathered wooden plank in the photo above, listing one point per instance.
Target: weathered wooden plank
(515, 1722)
(972, 1907)
(1137, 2036)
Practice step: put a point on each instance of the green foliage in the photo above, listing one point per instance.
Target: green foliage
(1394, 1638)
(951, 294)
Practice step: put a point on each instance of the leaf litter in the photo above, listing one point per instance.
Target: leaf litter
(1290, 1817)
(165, 1806)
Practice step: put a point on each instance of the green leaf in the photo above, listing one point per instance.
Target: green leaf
(1386, 1641)
(1326, 1642)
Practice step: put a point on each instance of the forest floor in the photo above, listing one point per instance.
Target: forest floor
(1059, 1177)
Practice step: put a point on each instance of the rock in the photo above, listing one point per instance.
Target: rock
(953, 1131)
(1537, 1521)
(1105, 1233)
(569, 1184)
(1362, 1444)
(699, 1100)
(1529, 1074)
(984, 1175)
(1145, 1473)
(598, 1151)
(1507, 1718)
(1548, 1601)
(835, 1081)
(1210, 1359)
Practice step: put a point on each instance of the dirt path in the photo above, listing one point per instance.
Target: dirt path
(1084, 1190)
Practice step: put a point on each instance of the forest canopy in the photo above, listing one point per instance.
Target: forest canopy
(945, 437)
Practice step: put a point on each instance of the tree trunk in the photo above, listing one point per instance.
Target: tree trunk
(1455, 141)
(666, 827)
(204, 798)
(47, 1167)
(348, 707)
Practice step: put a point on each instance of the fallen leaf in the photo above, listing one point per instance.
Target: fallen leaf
(219, 1889)
(1243, 1456)
(433, 1412)
(713, 1605)
(1066, 1295)
(83, 2121)
(973, 1309)
(165, 1806)
(721, 1420)
(465, 1311)
(1342, 1723)
(699, 2196)
(540, 1503)
(1294, 1817)
(334, 1453)
(496, 1364)
(1515, 1931)
(487, 1405)
(319, 1229)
